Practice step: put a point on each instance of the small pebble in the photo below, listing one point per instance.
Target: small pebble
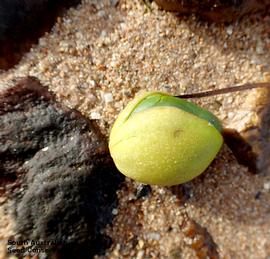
(107, 97)
(259, 48)
(101, 13)
(140, 255)
(95, 115)
(229, 30)
(114, 211)
(153, 236)
(266, 186)
(92, 83)
(141, 244)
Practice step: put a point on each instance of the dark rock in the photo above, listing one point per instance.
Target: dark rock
(67, 180)
(30, 119)
(142, 191)
(215, 10)
(182, 191)
(23, 22)
(258, 195)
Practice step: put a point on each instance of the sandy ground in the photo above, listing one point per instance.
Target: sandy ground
(101, 54)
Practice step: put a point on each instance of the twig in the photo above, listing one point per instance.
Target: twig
(226, 90)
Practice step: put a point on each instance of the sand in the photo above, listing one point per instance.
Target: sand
(102, 53)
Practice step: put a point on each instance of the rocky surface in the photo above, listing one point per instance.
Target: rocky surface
(218, 10)
(23, 22)
(65, 180)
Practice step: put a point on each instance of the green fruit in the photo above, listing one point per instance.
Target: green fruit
(164, 140)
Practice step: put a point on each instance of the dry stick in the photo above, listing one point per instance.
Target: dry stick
(225, 90)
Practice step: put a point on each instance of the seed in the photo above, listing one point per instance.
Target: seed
(163, 140)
